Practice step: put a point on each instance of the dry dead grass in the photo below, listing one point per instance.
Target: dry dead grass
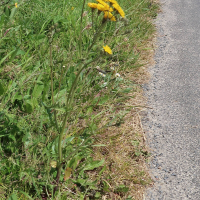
(123, 166)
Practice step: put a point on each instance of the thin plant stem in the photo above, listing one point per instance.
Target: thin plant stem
(68, 106)
(51, 63)
(93, 21)
(97, 35)
(81, 27)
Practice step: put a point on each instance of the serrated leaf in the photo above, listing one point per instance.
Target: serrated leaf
(60, 95)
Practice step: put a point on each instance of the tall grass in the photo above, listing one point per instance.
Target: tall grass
(57, 90)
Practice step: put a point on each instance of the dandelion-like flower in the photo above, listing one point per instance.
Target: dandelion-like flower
(107, 49)
(100, 7)
(117, 75)
(92, 5)
(111, 1)
(109, 15)
(119, 9)
(112, 68)
(72, 8)
(100, 73)
(106, 6)
(16, 5)
(102, 2)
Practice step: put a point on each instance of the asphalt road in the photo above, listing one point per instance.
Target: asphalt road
(173, 123)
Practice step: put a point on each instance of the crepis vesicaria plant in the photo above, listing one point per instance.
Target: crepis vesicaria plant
(111, 10)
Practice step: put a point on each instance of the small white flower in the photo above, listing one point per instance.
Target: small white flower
(104, 84)
(112, 68)
(102, 74)
(117, 75)
(63, 66)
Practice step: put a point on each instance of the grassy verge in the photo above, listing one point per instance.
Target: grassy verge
(69, 113)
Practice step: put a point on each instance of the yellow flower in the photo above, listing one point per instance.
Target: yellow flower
(92, 5)
(100, 7)
(109, 15)
(16, 5)
(103, 8)
(107, 49)
(119, 9)
(102, 2)
(105, 5)
(111, 1)
(72, 8)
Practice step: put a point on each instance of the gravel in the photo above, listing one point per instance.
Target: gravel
(173, 124)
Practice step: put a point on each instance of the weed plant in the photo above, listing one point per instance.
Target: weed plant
(61, 66)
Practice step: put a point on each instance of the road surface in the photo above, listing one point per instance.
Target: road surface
(173, 123)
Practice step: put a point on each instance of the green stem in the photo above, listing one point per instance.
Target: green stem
(68, 105)
(81, 27)
(51, 63)
(97, 35)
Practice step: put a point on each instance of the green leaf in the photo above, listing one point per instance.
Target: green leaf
(45, 90)
(99, 145)
(127, 90)
(13, 197)
(98, 195)
(28, 106)
(103, 100)
(14, 54)
(122, 189)
(93, 164)
(12, 137)
(37, 91)
(3, 59)
(60, 96)
(39, 37)
(2, 90)
(13, 13)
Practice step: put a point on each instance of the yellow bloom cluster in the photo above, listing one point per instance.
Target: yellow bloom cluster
(104, 7)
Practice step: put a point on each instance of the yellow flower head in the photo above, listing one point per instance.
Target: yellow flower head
(100, 7)
(111, 1)
(72, 8)
(119, 9)
(105, 5)
(109, 15)
(104, 8)
(102, 2)
(16, 5)
(92, 5)
(107, 49)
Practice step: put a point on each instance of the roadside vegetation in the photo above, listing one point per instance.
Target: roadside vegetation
(70, 98)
